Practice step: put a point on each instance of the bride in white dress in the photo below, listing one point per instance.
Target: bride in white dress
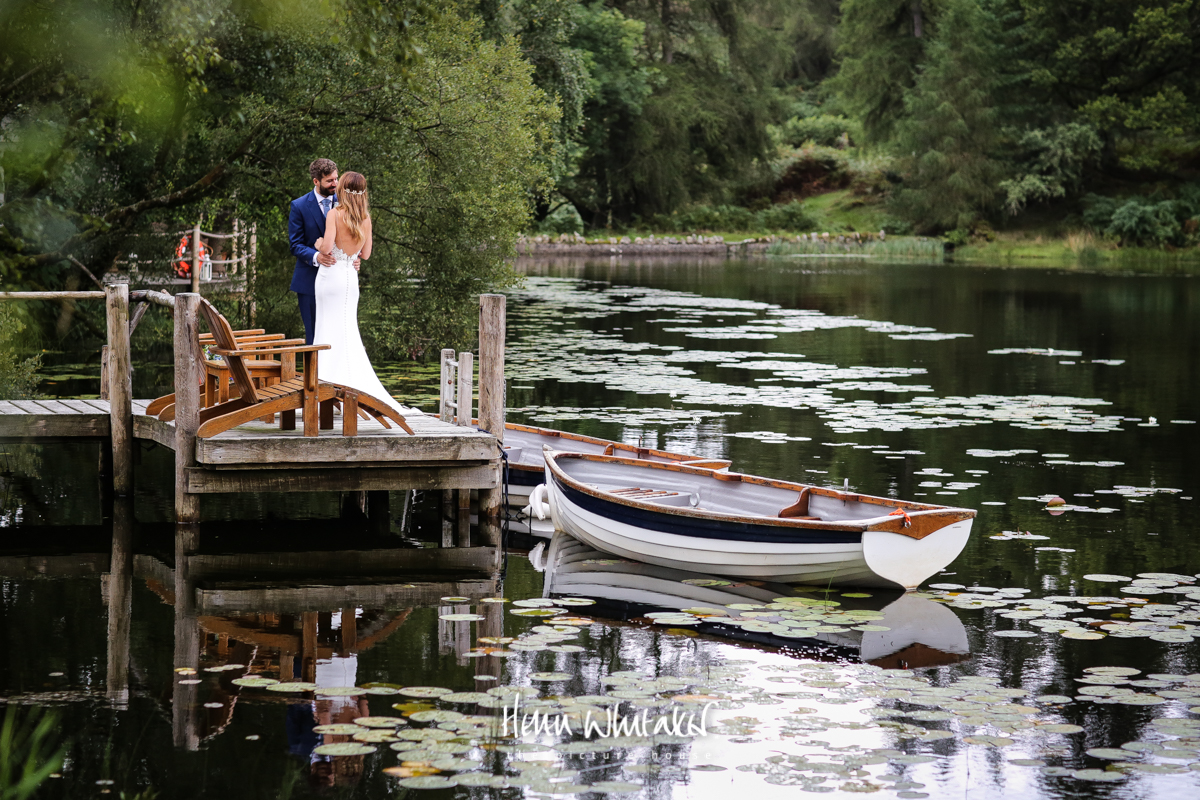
(347, 236)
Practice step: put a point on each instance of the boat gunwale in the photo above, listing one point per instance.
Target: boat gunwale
(889, 523)
(670, 456)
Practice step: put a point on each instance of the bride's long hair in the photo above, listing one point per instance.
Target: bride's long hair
(352, 199)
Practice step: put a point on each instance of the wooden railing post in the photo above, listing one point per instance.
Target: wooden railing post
(466, 376)
(252, 278)
(196, 259)
(120, 386)
(491, 400)
(446, 414)
(187, 403)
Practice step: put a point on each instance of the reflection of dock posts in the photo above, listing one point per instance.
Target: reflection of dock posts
(120, 606)
(492, 625)
(187, 640)
(379, 512)
(308, 646)
(491, 403)
(349, 630)
(187, 402)
(120, 387)
(445, 414)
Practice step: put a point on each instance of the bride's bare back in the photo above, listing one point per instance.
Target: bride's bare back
(337, 232)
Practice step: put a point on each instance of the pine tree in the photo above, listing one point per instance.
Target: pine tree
(881, 43)
(947, 141)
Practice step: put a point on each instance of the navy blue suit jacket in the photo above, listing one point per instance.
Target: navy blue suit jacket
(306, 224)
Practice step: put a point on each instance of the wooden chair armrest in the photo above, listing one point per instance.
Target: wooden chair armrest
(252, 332)
(273, 350)
(272, 343)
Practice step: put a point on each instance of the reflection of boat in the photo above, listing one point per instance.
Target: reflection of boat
(523, 445)
(921, 633)
(701, 520)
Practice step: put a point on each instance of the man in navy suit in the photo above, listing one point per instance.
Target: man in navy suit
(306, 224)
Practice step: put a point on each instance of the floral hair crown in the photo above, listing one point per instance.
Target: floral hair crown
(351, 191)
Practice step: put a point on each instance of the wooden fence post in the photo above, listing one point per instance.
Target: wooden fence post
(120, 386)
(251, 279)
(491, 401)
(196, 259)
(466, 376)
(187, 402)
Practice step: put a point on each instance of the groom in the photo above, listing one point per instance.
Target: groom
(306, 224)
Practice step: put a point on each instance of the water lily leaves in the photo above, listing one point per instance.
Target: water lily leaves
(1013, 634)
(380, 722)
(464, 697)
(426, 734)
(550, 676)
(565, 648)
(456, 599)
(533, 612)
(429, 782)
(1111, 753)
(614, 787)
(1061, 727)
(424, 691)
(294, 686)
(462, 617)
(376, 735)
(436, 715)
(340, 691)
(456, 764)
(1102, 578)
(381, 689)
(1097, 775)
(339, 729)
(574, 601)
(481, 779)
(253, 682)
(344, 749)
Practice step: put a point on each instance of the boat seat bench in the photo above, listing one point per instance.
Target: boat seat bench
(660, 497)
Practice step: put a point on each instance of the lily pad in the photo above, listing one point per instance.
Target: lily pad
(344, 749)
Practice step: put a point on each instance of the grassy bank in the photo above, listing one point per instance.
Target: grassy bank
(1036, 249)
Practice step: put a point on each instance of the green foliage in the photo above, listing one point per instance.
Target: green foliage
(18, 376)
(214, 109)
(881, 44)
(821, 129)
(792, 217)
(1128, 67)
(945, 144)
(1054, 159)
(1147, 222)
(29, 751)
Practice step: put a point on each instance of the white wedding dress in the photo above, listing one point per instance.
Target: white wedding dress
(346, 360)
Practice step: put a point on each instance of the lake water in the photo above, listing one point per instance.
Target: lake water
(1054, 658)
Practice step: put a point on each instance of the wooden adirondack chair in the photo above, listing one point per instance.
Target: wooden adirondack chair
(306, 393)
(216, 373)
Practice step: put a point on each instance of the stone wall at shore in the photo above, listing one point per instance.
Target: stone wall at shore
(574, 244)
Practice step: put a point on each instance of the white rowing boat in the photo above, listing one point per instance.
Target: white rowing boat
(701, 520)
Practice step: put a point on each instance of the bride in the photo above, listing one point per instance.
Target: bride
(347, 236)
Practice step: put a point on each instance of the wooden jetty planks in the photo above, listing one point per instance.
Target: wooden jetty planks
(28, 419)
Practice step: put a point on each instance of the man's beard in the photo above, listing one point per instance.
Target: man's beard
(326, 192)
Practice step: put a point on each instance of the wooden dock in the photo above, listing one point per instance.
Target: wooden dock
(444, 452)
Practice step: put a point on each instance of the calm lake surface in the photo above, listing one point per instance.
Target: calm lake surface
(1054, 658)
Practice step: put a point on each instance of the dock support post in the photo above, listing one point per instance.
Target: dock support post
(196, 259)
(187, 402)
(120, 386)
(464, 407)
(491, 402)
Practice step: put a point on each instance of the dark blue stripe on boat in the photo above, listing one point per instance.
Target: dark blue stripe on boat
(701, 528)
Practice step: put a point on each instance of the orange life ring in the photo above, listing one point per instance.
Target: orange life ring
(183, 267)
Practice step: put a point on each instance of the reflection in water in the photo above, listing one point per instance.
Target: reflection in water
(1039, 705)
(906, 632)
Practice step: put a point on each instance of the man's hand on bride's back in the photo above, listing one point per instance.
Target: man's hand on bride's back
(326, 259)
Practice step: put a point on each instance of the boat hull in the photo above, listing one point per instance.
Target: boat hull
(740, 547)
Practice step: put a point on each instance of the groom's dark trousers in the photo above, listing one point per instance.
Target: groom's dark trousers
(306, 224)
